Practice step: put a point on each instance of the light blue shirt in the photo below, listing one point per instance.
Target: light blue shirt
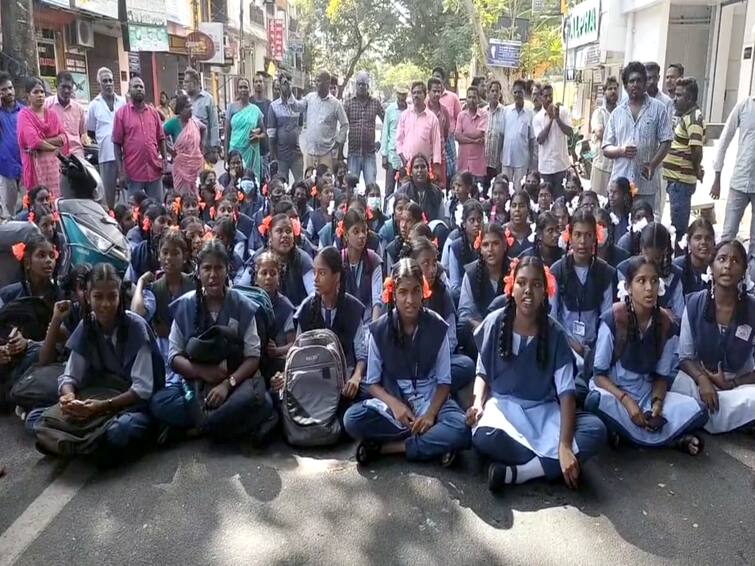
(651, 128)
(518, 137)
(388, 137)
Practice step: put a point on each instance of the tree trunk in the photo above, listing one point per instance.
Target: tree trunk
(482, 42)
(19, 41)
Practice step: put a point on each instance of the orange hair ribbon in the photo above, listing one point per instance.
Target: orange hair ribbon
(18, 250)
(388, 290)
(339, 229)
(296, 227)
(264, 228)
(508, 281)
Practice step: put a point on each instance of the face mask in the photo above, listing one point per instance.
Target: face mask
(373, 203)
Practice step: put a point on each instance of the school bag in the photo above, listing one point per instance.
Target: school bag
(313, 379)
(38, 387)
(265, 315)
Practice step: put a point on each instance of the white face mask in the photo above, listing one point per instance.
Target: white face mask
(374, 203)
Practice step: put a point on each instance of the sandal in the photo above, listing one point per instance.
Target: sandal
(685, 443)
(497, 477)
(448, 459)
(367, 451)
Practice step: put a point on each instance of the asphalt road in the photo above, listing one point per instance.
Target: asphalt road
(202, 504)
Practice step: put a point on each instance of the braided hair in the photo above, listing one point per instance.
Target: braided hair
(355, 217)
(403, 268)
(105, 273)
(655, 236)
(419, 245)
(337, 215)
(603, 217)
(331, 257)
(482, 274)
(467, 251)
(505, 337)
(581, 216)
(32, 243)
(634, 331)
(741, 306)
(211, 249)
(700, 223)
(413, 214)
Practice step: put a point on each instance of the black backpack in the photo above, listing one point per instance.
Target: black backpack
(31, 315)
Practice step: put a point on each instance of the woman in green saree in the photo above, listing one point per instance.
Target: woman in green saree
(245, 129)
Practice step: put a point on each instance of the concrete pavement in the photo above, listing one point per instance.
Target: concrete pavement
(204, 504)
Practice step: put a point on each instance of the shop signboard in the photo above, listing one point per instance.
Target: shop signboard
(275, 39)
(46, 56)
(504, 53)
(147, 25)
(108, 8)
(179, 12)
(581, 25)
(60, 3)
(215, 31)
(200, 46)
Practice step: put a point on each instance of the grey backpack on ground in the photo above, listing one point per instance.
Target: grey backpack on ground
(313, 380)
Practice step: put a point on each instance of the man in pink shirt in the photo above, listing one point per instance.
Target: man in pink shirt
(450, 101)
(419, 131)
(471, 125)
(139, 143)
(72, 114)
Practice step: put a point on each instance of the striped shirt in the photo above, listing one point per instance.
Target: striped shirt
(688, 133)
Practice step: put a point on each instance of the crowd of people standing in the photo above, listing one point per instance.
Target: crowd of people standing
(574, 316)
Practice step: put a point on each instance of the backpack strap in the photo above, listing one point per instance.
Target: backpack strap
(621, 329)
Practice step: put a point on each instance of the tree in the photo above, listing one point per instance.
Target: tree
(340, 33)
(19, 56)
(435, 34)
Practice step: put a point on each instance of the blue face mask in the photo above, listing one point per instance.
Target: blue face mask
(374, 203)
(249, 187)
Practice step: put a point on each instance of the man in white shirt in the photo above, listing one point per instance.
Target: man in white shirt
(552, 127)
(601, 165)
(100, 127)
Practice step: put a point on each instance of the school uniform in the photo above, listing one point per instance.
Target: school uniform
(143, 259)
(373, 243)
(157, 298)
(256, 241)
(625, 242)
(614, 255)
(522, 415)
(634, 373)
(365, 280)
(456, 263)
(702, 340)
(519, 245)
(19, 290)
(251, 204)
(692, 281)
(387, 232)
(247, 407)
(245, 225)
(474, 301)
(534, 252)
(453, 235)
(673, 296)
(582, 294)
(134, 236)
(127, 359)
(441, 302)
(318, 218)
(430, 199)
(325, 236)
(411, 373)
(622, 227)
(345, 320)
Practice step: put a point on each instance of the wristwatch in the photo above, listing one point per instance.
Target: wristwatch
(232, 381)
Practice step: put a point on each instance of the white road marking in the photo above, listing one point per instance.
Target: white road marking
(37, 516)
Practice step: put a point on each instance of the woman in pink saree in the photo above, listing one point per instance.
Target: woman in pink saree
(40, 137)
(186, 135)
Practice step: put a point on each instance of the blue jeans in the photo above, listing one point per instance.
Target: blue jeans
(680, 199)
(243, 412)
(589, 433)
(125, 430)
(449, 433)
(363, 165)
(154, 189)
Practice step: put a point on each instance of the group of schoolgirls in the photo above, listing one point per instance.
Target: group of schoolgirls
(550, 318)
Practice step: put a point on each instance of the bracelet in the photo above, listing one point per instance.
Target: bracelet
(655, 400)
(110, 406)
(621, 397)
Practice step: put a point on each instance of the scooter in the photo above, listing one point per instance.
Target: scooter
(90, 234)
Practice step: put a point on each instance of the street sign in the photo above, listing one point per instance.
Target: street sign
(504, 53)
(200, 46)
